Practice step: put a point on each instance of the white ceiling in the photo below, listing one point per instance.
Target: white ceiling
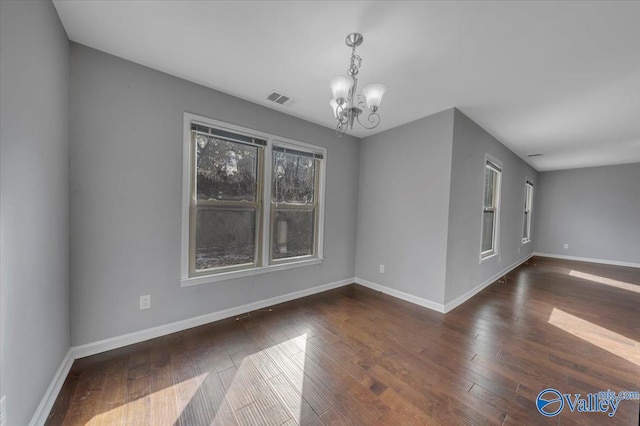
(557, 78)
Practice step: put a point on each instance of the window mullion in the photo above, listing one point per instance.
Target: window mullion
(267, 204)
(259, 207)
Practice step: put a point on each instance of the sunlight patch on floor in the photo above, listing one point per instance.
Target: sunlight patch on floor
(258, 377)
(606, 281)
(186, 389)
(607, 340)
(258, 382)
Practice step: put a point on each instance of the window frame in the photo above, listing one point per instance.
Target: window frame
(495, 165)
(528, 209)
(257, 205)
(315, 207)
(264, 229)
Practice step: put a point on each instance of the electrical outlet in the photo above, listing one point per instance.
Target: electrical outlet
(566, 246)
(3, 411)
(145, 302)
(382, 269)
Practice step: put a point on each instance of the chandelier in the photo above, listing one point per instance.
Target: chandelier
(347, 104)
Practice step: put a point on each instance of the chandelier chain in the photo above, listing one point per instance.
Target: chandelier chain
(356, 62)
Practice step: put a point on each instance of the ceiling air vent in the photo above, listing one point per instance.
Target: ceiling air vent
(534, 155)
(279, 98)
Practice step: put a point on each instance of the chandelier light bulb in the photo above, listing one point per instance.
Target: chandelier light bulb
(341, 85)
(373, 93)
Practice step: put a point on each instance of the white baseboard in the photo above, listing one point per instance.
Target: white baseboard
(43, 410)
(449, 306)
(588, 259)
(162, 330)
(438, 307)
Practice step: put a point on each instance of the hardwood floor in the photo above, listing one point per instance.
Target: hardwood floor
(355, 356)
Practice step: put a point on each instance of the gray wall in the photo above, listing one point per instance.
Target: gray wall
(404, 206)
(595, 210)
(126, 189)
(470, 144)
(34, 212)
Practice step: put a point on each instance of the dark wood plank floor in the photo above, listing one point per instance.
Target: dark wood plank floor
(355, 356)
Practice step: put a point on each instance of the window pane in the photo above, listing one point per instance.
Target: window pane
(293, 178)
(225, 236)
(226, 170)
(525, 232)
(293, 233)
(487, 231)
(489, 185)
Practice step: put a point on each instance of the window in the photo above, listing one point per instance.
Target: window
(528, 205)
(225, 212)
(490, 211)
(229, 172)
(294, 203)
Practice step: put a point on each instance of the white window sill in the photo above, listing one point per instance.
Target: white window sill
(488, 256)
(526, 242)
(223, 276)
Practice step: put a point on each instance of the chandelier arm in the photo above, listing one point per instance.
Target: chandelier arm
(342, 115)
(373, 119)
(341, 129)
